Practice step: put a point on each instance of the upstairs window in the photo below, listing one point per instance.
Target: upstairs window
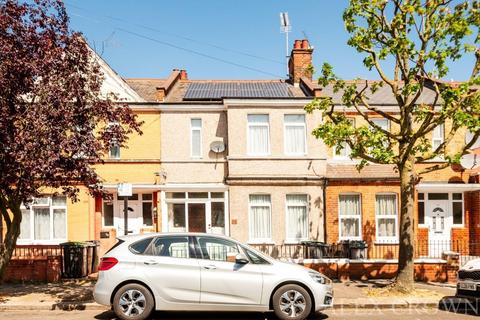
(114, 152)
(258, 139)
(196, 138)
(438, 136)
(382, 123)
(295, 134)
(344, 151)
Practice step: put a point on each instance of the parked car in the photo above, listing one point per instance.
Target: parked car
(468, 284)
(204, 272)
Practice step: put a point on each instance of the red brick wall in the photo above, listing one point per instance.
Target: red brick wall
(44, 269)
(427, 272)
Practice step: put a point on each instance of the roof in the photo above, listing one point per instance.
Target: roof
(220, 90)
(383, 96)
(371, 171)
(215, 90)
(145, 87)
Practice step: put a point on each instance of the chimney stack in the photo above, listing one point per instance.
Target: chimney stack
(300, 62)
(183, 75)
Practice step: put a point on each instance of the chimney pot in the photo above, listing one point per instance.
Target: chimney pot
(183, 75)
(299, 64)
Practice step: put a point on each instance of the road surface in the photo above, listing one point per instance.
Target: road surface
(349, 314)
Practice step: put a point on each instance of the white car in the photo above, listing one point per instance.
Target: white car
(204, 272)
(468, 284)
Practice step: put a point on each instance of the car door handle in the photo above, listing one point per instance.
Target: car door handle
(210, 267)
(150, 263)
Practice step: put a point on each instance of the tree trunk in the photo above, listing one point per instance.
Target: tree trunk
(10, 240)
(405, 276)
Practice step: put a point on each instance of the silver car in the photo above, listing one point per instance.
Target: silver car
(204, 272)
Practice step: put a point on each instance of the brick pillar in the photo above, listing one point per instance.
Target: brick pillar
(98, 216)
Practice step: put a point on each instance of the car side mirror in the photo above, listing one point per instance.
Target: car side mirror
(241, 259)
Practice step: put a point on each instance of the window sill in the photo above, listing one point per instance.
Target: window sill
(259, 242)
(293, 242)
(386, 242)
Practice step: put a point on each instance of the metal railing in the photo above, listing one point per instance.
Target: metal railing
(431, 249)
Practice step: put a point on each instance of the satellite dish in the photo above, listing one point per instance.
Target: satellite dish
(217, 146)
(470, 161)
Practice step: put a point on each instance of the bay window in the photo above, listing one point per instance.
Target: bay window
(44, 220)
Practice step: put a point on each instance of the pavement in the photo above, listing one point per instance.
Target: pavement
(77, 295)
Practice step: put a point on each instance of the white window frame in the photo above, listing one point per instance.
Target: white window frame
(250, 225)
(376, 120)
(359, 217)
(51, 207)
(345, 147)
(394, 239)
(295, 124)
(440, 139)
(199, 129)
(111, 155)
(296, 240)
(142, 201)
(458, 225)
(425, 194)
(258, 124)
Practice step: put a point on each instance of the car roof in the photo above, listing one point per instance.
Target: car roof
(130, 238)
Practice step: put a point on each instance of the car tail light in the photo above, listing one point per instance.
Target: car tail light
(107, 264)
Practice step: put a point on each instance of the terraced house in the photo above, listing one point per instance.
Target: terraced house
(238, 158)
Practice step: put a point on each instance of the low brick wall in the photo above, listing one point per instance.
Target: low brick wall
(41, 269)
(345, 270)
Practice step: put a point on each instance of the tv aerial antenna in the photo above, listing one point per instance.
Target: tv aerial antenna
(285, 27)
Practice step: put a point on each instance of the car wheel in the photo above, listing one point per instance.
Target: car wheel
(133, 302)
(292, 302)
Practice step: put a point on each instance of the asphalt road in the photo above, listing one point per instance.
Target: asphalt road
(371, 314)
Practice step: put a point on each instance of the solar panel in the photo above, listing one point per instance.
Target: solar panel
(219, 90)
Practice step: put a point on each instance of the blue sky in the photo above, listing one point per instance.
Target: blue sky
(147, 38)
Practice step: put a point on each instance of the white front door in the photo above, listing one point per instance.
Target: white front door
(135, 218)
(439, 220)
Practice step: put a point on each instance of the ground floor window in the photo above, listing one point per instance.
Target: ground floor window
(140, 212)
(349, 212)
(386, 216)
(297, 217)
(260, 223)
(196, 212)
(45, 219)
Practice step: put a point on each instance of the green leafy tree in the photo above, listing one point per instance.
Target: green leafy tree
(409, 44)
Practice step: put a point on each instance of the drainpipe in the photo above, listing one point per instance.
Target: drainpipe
(325, 184)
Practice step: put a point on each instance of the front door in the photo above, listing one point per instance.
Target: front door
(439, 220)
(135, 218)
(196, 217)
(222, 280)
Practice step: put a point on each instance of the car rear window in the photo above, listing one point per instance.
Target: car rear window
(139, 247)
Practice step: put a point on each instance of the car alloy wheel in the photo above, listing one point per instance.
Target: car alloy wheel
(292, 302)
(133, 302)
